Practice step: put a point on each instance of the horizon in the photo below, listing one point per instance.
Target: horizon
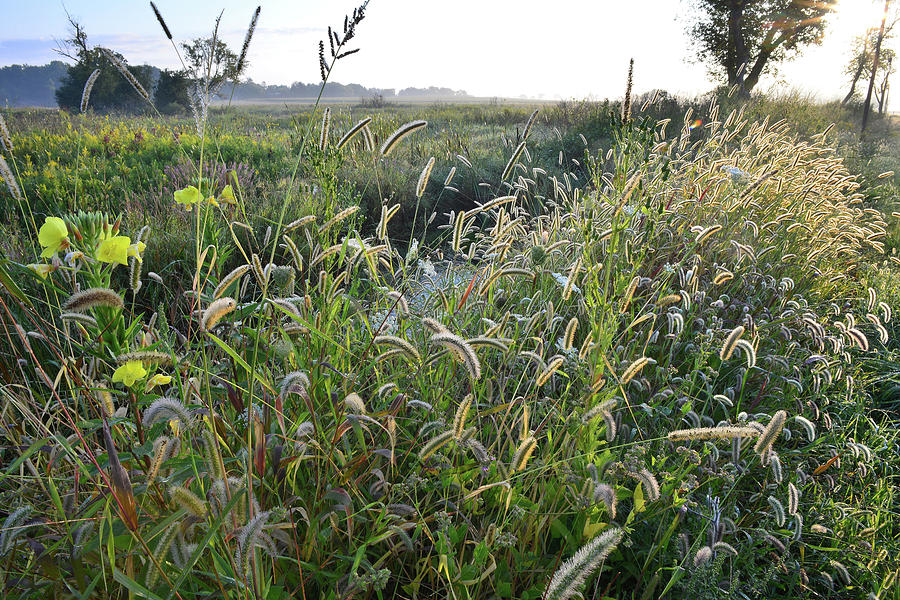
(398, 51)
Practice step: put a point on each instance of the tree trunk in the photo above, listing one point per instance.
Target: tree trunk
(737, 62)
(868, 104)
(859, 69)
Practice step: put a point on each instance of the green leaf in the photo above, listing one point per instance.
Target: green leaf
(133, 586)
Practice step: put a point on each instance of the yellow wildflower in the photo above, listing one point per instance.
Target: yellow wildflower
(129, 373)
(114, 249)
(53, 236)
(227, 195)
(137, 251)
(189, 196)
(158, 379)
(41, 269)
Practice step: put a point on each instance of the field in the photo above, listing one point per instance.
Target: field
(523, 351)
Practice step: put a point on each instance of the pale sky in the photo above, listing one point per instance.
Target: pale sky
(559, 49)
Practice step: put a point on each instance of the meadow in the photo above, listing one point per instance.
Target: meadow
(451, 351)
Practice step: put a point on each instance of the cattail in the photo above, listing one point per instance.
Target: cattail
(626, 102)
(5, 138)
(527, 131)
(730, 342)
(10, 179)
(435, 444)
(351, 133)
(423, 178)
(633, 369)
(548, 372)
(649, 483)
(711, 433)
(120, 66)
(777, 509)
(347, 212)
(401, 133)
(146, 356)
(512, 161)
(162, 22)
(770, 433)
(793, 499)
(459, 419)
(216, 311)
(461, 350)
(91, 298)
(570, 577)
(229, 279)
(526, 448)
(242, 58)
(404, 346)
(629, 292)
(323, 131)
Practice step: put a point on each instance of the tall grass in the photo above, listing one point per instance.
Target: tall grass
(637, 373)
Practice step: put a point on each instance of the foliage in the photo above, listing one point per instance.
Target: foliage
(744, 39)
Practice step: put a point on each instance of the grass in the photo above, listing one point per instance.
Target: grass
(639, 360)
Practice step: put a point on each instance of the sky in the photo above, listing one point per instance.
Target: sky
(564, 49)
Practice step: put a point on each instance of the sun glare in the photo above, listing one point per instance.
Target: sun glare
(852, 18)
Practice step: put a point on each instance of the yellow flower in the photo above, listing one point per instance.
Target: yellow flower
(114, 249)
(41, 269)
(158, 380)
(53, 236)
(137, 251)
(129, 373)
(227, 195)
(189, 196)
(212, 201)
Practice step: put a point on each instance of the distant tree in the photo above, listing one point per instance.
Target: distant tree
(744, 39)
(862, 56)
(111, 92)
(211, 57)
(172, 92)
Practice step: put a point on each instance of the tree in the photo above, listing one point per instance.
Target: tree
(859, 67)
(744, 39)
(211, 57)
(111, 92)
(172, 92)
